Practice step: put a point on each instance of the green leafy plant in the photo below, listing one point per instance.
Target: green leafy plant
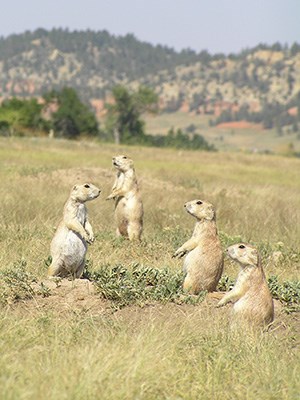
(141, 285)
(287, 293)
(16, 283)
(226, 283)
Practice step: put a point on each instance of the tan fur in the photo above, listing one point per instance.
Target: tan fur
(128, 203)
(69, 245)
(251, 296)
(204, 263)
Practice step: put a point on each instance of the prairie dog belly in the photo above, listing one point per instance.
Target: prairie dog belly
(69, 247)
(127, 206)
(252, 304)
(239, 306)
(202, 263)
(187, 262)
(192, 260)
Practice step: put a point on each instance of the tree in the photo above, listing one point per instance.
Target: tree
(295, 48)
(72, 117)
(18, 114)
(123, 121)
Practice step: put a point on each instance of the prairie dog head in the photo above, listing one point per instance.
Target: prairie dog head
(85, 192)
(122, 163)
(244, 254)
(200, 209)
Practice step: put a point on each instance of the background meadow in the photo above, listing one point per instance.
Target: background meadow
(54, 345)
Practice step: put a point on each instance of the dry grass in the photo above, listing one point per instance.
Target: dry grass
(245, 139)
(159, 351)
(143, 354)
(257, 198)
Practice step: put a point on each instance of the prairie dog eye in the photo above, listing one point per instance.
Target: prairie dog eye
(241, 246)
(125, 157)
(87, 186)
(199, 202)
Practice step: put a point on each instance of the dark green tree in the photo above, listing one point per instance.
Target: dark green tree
(295, 48)
(18, 114)
(123, 121)
(72, 117)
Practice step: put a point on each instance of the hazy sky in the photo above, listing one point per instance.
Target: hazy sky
(215, 25)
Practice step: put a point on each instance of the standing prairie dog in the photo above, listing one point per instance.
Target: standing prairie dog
(203, 264)
(251, 296)
(128, 203)
(69, 245)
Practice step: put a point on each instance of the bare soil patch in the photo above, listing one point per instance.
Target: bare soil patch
(79, 296)
(240, 125)
(64, 297)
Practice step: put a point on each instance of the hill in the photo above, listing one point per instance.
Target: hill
(233, 86)
(91, 62)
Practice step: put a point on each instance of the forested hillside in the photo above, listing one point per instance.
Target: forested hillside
(260, 84)
(33, 62)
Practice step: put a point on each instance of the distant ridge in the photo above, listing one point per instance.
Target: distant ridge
(93, 62)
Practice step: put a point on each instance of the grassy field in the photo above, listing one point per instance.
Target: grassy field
(246, 139)
(75, 340)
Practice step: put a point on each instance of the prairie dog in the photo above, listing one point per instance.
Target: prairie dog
(251, 296)
(69, 244)
(128, 203)
(203, 264)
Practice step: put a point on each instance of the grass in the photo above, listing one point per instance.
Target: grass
(163, 358)
(143, 338)
(248, 140)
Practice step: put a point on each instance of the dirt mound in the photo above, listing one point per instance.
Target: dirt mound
(63, 295)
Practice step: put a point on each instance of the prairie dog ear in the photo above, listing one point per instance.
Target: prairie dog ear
(75, 187)
(254, 253)
(210, 213)
(255, 256)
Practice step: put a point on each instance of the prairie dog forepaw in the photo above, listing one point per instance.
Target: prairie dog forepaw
(220, 304)
(86, 237)
(179, 253)
(91, 239)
